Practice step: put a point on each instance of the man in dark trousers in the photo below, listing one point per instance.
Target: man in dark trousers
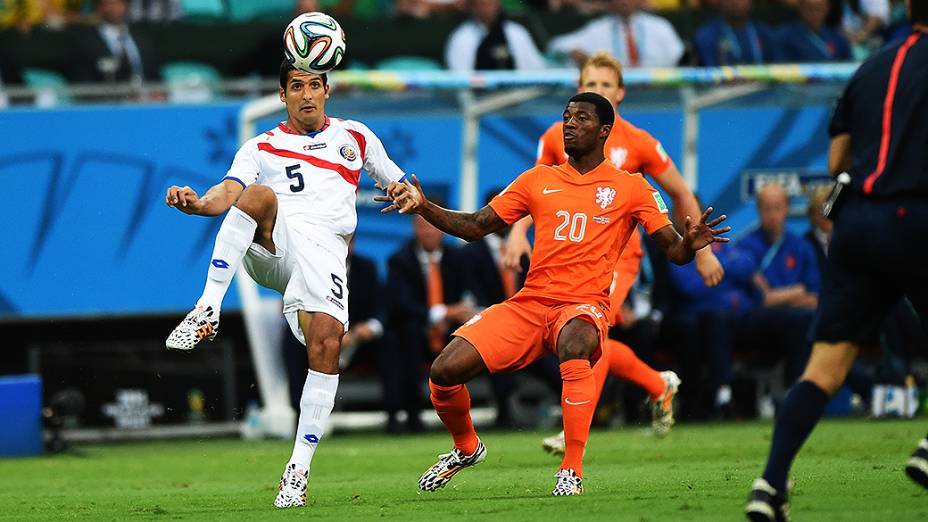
(877, 252)
(425, 285)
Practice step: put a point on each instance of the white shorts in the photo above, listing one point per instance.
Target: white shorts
(310, 277)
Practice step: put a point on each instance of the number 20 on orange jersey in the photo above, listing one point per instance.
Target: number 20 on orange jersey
(577, 224)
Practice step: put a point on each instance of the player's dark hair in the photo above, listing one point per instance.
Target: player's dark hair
(286, 67)
(919, 13)
(604, 109)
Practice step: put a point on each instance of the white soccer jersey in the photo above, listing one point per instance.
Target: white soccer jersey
(316, 175)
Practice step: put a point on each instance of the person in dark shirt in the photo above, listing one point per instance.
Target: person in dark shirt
(785, 285)
(735, 38)
(877, 252)
(709, 318)
(809, 39)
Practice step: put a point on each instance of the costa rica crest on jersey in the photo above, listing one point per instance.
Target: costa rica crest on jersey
(604, 196)
(348, 152)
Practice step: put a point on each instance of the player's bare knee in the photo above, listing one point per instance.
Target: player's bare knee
(577, 340)
(323, 353)
(259, 202)
(440, 373)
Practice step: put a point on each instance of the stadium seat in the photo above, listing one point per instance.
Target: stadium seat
(191, 82)
(205, 10)
(409, 63)
(250, 9)
(51, 88)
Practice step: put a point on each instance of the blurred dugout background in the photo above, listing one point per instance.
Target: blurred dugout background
(98, 270)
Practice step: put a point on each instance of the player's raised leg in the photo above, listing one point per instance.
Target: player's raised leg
(323, 335)
(619, 360)
(577, 341)
(249, 220)
(457, 364)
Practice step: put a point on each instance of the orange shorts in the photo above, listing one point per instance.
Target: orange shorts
(513, 334)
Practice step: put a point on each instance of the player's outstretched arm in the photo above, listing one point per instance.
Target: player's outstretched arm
(409, 198)
(681, 250)
(218, 199)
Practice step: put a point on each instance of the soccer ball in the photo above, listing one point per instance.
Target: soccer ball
(314, 43)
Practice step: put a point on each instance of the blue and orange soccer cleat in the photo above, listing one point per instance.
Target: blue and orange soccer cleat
(448, 465)
(568, 483)
(292, 489)
(200, 323)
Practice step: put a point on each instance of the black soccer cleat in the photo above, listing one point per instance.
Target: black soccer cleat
(765, 504)
(917, 466)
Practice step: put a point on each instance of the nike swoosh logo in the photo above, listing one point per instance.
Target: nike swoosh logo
(550, 191)
(568, 401)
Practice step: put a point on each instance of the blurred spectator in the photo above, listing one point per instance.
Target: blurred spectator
(365, 313)
(24, 14)
(154, 10)
(490, 41)
(899, 26)
(861, 21)
(735, 38)
(709, 318)
(425, 288)
(785, 284)
(635, 37)
(109, 52)
(819, 233)
(809, 39)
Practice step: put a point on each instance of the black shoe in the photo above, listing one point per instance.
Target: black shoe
(765, 504)
(917, 466)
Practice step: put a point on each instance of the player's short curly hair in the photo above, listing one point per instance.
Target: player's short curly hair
(286, 67)
(604, 109)
(606, 61)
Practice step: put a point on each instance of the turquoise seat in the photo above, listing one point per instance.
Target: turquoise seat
(51, 87)
(190, 82)
(409, 63)
(203, 9)
(250, 9)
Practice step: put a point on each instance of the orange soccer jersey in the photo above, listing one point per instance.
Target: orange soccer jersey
(631, 149)
(582, 222)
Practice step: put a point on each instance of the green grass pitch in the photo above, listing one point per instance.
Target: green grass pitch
(849, 470)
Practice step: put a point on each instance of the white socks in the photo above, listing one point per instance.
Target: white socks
(315, 406)
(235, 236)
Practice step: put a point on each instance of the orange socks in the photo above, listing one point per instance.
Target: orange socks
(452, 404)
(578, 402)
(619, 360)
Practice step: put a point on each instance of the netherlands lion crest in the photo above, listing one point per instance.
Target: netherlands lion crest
(348, 152)
(604, 196)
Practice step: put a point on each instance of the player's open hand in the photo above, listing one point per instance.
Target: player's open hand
(183, 198)
(699, 235)
(403, 196)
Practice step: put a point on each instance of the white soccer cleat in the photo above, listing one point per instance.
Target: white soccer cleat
(568, 483)
(554, 444)
(662, 408)
(201, 323)
(448, 465)
(292, 489)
